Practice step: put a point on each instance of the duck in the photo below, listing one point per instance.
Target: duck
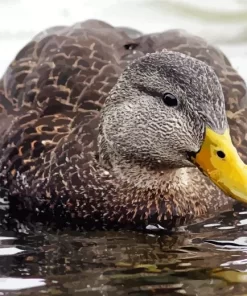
(106, 127)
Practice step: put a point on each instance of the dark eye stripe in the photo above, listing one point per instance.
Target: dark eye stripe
(149, 91)
(168, 98)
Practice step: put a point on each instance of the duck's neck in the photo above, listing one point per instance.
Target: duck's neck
(143, 177)
(181, 192)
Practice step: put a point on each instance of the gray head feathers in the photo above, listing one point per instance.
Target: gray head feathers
(137, 126)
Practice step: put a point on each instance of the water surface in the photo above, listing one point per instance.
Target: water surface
(203, 259)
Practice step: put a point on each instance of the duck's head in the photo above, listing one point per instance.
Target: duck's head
(167, 111)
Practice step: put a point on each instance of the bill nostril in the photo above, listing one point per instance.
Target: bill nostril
(221, 154)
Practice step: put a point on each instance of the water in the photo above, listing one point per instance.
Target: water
(203, 259)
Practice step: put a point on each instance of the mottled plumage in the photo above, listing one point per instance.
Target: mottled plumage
(56, 165)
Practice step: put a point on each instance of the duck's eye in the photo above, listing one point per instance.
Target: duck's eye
(170, 100)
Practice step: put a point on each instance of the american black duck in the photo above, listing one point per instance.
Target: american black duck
(105, 127)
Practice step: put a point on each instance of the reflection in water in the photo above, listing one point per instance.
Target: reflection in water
(13, 284)
(200, 259)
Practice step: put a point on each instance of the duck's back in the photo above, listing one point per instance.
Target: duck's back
(51, 96)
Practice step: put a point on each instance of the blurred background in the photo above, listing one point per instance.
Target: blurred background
(223, 22)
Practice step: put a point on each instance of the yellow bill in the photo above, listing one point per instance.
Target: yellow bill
(219, 160)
